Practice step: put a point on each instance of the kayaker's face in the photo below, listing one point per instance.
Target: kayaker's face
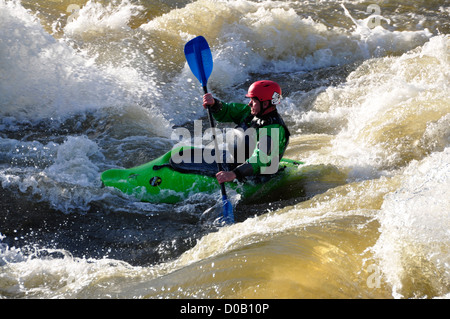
(255, 106)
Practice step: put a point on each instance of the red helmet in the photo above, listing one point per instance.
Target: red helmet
(265, 90)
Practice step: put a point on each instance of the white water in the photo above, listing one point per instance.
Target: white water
(384, 126)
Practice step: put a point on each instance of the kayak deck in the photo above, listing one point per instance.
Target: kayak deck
(159, 181)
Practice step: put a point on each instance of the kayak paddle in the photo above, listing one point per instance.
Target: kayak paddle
(199, 58)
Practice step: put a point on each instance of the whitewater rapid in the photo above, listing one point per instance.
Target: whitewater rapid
(103, 85)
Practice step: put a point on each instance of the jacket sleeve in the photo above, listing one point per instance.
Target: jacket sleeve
(230, 112)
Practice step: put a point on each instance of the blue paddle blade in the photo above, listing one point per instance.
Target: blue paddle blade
(227, 211)
(199, 58)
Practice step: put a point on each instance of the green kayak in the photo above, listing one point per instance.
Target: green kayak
(163, 181)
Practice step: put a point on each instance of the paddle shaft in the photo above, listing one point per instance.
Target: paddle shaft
(216, 145)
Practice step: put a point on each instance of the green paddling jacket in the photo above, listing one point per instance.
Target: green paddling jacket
(267, 137)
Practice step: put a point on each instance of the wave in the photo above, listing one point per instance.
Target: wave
(368, 108)
(43, 77)
(392, 110)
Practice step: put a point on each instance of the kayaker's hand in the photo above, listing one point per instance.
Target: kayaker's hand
(224, 176)
(208, 100)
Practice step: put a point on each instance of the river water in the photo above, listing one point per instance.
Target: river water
(90, 85)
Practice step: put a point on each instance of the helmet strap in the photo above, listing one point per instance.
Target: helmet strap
(268, 109)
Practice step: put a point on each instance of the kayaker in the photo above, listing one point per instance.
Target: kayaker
(260, 115)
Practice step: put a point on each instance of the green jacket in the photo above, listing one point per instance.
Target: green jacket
(272, 137)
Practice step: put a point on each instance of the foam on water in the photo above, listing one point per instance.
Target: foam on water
(54, 273)
(42, 77)
(413, 247)
(95, 18)
(386, 122)
(270, 38)
(390, 108)
(53, 80)
(65, 175)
